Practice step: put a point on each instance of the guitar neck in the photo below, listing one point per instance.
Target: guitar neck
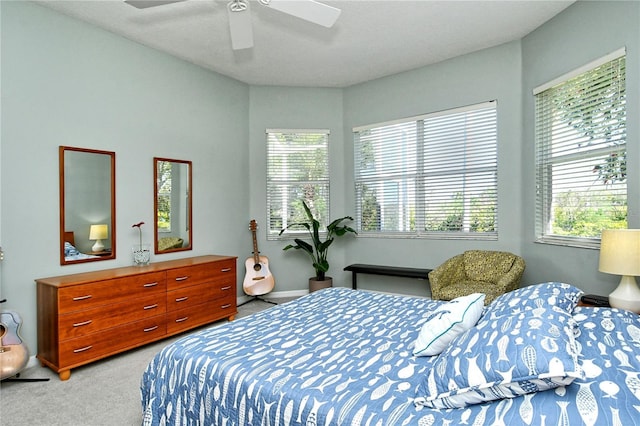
(256, 253)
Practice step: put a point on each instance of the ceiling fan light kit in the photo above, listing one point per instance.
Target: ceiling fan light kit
(240, 27)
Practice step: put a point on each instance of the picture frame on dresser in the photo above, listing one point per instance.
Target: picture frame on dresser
(89, 316)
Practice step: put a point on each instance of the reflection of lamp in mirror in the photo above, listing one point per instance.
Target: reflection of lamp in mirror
(98, 233)
(620, 254)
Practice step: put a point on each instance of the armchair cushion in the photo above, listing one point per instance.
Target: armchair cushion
(459, 288)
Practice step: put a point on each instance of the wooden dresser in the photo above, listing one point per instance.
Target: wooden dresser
(88, 316)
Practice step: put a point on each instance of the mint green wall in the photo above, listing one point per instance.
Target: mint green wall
(508, 73)
(295, 108)
(584, 32)
(482, 76)
(65, 82)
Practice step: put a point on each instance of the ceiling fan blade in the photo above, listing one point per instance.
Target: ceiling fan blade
(309, 10)
(240, 25)
(144, 4)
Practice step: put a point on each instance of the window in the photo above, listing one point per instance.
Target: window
(433, 175)
(581, 157)
(297, 169)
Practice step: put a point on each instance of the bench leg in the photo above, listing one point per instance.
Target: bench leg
(354, 281)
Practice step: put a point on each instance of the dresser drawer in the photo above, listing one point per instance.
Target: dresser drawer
(85, 296)
(185, 297)
(80, 323)
(96, 345)
(184, 319)
(191, 275)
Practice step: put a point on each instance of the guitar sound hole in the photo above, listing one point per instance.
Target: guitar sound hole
(257, 267)
(3, 330)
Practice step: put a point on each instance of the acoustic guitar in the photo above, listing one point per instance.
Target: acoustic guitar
(258, 280)
(14, 354)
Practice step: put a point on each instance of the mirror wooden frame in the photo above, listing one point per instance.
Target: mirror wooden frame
(189, 206)
(69, 234)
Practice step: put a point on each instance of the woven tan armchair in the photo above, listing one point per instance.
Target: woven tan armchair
(477, 271)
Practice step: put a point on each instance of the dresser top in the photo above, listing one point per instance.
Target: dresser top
(106, 274)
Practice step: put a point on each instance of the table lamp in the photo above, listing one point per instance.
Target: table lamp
(98, 233)
(620, 254)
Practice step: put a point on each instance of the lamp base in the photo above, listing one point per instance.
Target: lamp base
(627, 295)
(98, 246)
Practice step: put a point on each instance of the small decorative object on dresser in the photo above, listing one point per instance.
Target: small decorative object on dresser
(88, 316)
(141, 252)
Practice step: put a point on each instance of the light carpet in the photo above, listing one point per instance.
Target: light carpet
(106, 392)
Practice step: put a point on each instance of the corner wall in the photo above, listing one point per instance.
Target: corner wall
(582, 33)
(65, 82)
(474, 78)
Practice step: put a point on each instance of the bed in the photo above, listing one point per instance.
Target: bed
(351, 357)
(71, 253)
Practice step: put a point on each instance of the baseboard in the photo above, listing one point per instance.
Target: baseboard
(33, 361)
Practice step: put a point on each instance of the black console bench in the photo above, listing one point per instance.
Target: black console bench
(394, 271)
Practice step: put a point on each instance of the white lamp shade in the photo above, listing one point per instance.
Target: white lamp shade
(620, 255)
(620, 252)
(98, 232)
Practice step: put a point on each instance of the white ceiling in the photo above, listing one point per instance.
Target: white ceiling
(371, 39)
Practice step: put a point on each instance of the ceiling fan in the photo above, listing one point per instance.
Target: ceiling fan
(239, 11)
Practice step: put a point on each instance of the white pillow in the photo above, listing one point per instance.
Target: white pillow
(447, 322)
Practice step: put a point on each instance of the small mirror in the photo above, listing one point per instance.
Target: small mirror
(87, 205)
(172, 204)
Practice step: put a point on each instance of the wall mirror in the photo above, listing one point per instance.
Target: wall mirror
(87, 205)
(172, 205)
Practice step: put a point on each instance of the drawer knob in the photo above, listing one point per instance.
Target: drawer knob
(225, 288)
(182, 278)
(182, 299)
(155, 305)
(151, 284)
(86, 348)
(225, 270)
(88, 296)
(146, 330)
(182, 319)
(228, 305)
(80, 324)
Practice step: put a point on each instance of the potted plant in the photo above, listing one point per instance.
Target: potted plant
(318, 249)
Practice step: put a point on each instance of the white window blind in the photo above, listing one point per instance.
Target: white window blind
(297, 169)
(581, 156)
(432, 175)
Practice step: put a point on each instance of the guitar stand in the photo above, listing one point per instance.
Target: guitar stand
(258, 298)
(17, 378)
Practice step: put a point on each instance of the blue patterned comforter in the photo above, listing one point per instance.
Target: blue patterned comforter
(344, 357)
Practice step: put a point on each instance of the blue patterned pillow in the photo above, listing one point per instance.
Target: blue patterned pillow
(448, 321)
(537, 296)
(69, 249)
(503, 358)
